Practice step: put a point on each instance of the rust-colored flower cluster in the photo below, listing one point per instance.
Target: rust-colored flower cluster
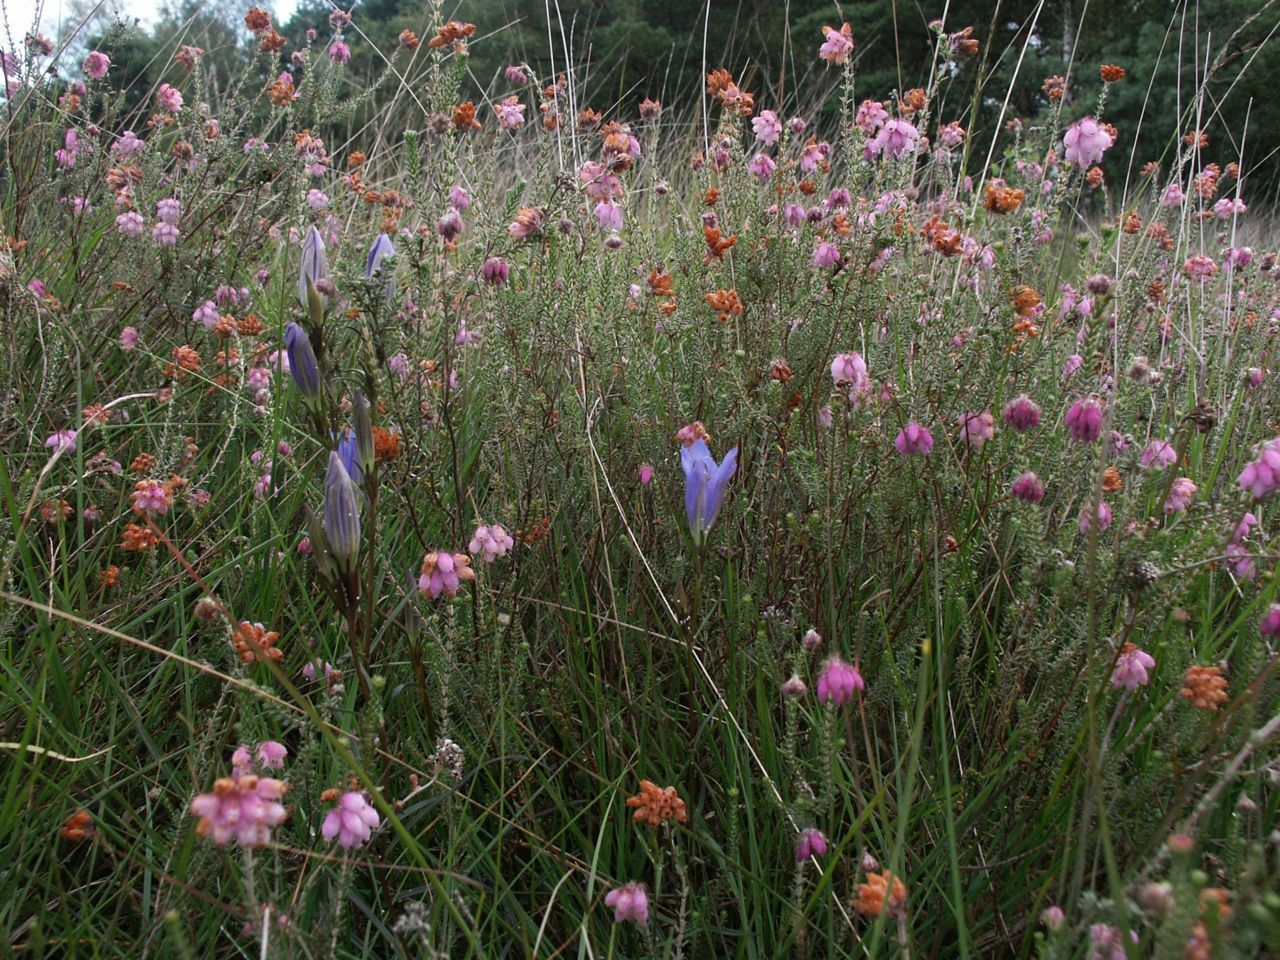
(1204, 688)
(879, 888)
(720, 84)
(1002, 199)
(1110, 73)
(248, 635)
(77, 826)
(726, 304)
(452, 34)
(654, 804)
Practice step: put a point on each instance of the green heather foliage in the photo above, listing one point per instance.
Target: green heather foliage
(349, 602)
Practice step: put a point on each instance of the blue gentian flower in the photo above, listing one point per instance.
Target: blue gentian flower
(705, 483)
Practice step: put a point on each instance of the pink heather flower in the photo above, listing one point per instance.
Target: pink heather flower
(1103, 517)
(339, 52)
(870, 116)
(1071, 365)
(64, 441)
(495, 271)
(492, 540)
(837, 45)
(1261, 477)
(130, 224)
(1053, 918)
(168, 210)
(206, 314)
(352, 821)
(1173, 195)
(629, 902)
(838, 681)
(608, 215)
(459, 199)
(443, 573)
(767, 127)
(811, 843)
(849, 368)
(1200, 267)
(951, 135)
(797, 126)
(169, 98)
(761, 166)
(598, 181)
(811, 640)
(1269, 627)
(1085, 142)
(1157, 455)
(510, 113)
(128, 145)
(1239, 257)
(165, 234)
(243, 808)
(826, 255)
(1027, 488)
(1084, 420)
(271, 755)
(1228, 207)
(128, 338)
(66, 156)
(96, 65)
(515, 74)
(976, 428)
(1022, 413)
(317, 199)
(646, 474)
(241, 762)
(450, 225)
(824, 416)
(813, 156)
(896, 138)
(1131, 669)
(150, 498)
(1180, 495)
(913, 439)
(1107, 942)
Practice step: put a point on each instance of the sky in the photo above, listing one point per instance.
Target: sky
(21, 13)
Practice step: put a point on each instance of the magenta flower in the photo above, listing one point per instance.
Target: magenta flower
(1022, 413)
(339, 52)
(165, 234)
(826, 255)
(871, 116)
(976, 428)
(64, 441)
(1131, 669)
(767, 127)
(1027, 488)
(271, 755)
(838, 681)
(510, 113)
(1085, 142)
(913, 439)
(130, 224)
(812, 843)
(1103, 516)
(1180, 494)
(837, 45)
(629, 902)
(443, 573)
(352, 821)
(849, 368)
(895, 139)
(495, 271)
(1269, 627)
(128, 338)
(169, 98)
(646, 474)
(492, 541)
(1084, 420)
(150, 498)
(761, 166)
(96, 65)
(1261, 477)
(243, 808)
(1157, 455)
(608, 215)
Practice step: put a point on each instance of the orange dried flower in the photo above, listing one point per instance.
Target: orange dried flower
(655, 804)
(1196, 138)
(452, 34)
(1110, 73)
(1204, 688)
(913, 101)
(870, 900)
(355, 159)
(661, 284)
(1151, 168)
(1112, 482)
(718, 81)
(409, 40)
(1002, 199)
(386, 444)
(588, 119)
(717, 243)
(249, 326)
(257, 19)
(1132, 224)
(710, 197)
(271, 41)
(1054, 87)
(254, 633)
(109, 577)
(280, 92)
(142, 464)
(464, 117)
(1094, 177)
(695, 431)
(726, 303)
(77, 826)
(136, 539)
(1025, 300)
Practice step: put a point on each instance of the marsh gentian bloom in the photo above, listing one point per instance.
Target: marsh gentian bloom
(314, 268)
(363, 419)
(705, 482)
(629, 902)
(381, 249)
(302, 361)
(341, 515)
